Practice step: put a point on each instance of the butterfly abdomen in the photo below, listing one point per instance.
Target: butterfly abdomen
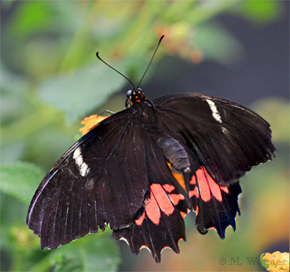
(174, 152)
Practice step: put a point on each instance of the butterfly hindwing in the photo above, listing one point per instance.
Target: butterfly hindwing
(160, 222)
(215, 206)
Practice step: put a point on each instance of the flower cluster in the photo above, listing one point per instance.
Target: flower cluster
(276, 261)
(91, 122)
(179, 41)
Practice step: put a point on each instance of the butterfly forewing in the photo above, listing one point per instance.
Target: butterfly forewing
(100, 180)
(226, 137)
(223, 140)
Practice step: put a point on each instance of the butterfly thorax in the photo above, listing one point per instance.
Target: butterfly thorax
(136, 97)
(172, 149)
(143, 107)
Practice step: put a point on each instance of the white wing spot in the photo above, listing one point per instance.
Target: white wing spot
(83, 167)
(214, 110)
(144, 246)
(225, 131)
(124, 239)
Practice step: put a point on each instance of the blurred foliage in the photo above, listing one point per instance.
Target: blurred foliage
(50, 76)
(262, 11)
(25, 173)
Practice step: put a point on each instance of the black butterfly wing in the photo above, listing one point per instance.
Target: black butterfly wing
(223, 141)
(160, 221)
(114, 175)
(225, 137)
(215, 206)
(117, 175)
(100, 180)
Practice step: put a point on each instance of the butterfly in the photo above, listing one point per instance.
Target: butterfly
(142, 170)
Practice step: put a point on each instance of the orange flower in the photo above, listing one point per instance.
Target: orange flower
(276, 261)
(91, 122)
(178, 41)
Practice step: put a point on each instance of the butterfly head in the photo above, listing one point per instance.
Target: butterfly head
(134, 97)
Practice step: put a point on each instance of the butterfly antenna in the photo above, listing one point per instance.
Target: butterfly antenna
(151, 60)
(97, 54)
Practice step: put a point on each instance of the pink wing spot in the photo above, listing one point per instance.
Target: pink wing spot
(207, 185)
(183, 214)
(213, 228)
(168, 188)
(196, 210)
(159, 200)
(144, 246)
(225, 189)
(194, 193)
(215, 188)
(193, 180)
(139, 221)
(175, 198)
(162, 199)
(203, 184)
(180, 239)
(152, 210)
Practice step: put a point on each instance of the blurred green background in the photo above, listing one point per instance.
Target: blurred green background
(51, 79)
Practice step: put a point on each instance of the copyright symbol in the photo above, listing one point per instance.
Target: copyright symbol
(222, 260)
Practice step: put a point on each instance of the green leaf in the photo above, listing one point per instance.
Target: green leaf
(280, 120)
(12, 152)
(20, 180)
(12, 90)
(31, 17)
(95, 252)
(78, 93)
(263, 262)
(262, 11)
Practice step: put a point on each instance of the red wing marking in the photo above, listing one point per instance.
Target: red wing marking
(193, 181)
(194, 193)
(214, 187)
(140, 220)
(175, 198)
(152, 209)
(196, 210)
(207, 185)
(180, 239)
(183, 214)
(159, 200)
(162, 199)
(168, 188)
(225, 189)
(203, 185)
(144, 246)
